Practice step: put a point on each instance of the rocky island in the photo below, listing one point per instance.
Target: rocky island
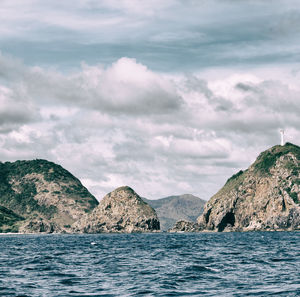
(122, 210)
(41, 196)
(265, 197)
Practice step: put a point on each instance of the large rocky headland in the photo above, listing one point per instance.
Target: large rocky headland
(265, 197)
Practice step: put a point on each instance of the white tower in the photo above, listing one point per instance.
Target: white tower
(282, 136)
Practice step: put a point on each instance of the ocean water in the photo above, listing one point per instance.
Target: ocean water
(162, 264)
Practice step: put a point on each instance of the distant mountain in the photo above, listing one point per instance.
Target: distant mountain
(40, 196)
(264, 197)
(175, 208)
(121, 211)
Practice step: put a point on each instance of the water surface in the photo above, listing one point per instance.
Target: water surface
(200, 264)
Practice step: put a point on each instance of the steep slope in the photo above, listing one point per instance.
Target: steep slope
(9, 221)
(44, 196)
(175, 208)
(264, 197)
(119, 211)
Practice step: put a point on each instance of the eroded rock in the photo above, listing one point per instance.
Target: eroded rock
(119, 211)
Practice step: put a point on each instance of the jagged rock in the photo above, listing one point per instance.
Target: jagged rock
(119, 211)
(44, 196)
(185, 226)
(171, 209)
(264, 197)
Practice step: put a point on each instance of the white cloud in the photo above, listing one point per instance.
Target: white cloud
(124, 87)
(129, 87)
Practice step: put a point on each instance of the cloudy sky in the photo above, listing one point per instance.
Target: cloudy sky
(168, 97)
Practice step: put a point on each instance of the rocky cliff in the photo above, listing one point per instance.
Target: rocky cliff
(264, 197)
(175, 208)
(119, 211)
(40, 196)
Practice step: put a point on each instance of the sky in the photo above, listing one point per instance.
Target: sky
(168, 97)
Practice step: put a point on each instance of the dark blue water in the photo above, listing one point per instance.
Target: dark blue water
(217, 264)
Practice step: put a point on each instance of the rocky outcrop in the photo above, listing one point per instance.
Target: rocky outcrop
(264, 197)
(42, 196)
(119, 211)
(175, 208)
(185, 226)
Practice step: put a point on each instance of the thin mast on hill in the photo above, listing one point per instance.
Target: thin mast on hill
(282, 136)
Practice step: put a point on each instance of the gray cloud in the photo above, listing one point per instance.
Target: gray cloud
(15, 109)
(216, 33)
(274, 96)
(121, 121)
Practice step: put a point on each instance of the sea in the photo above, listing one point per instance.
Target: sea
(153, 264)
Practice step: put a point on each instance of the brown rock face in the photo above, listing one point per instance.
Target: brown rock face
(121, 211)
(264, 197)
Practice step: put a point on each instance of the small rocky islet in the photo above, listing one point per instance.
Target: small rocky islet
(39, 196)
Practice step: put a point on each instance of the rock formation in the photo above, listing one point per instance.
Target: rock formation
(119, 211)
(175, 208)
(185, 226)
(264, 197)
(40, 196)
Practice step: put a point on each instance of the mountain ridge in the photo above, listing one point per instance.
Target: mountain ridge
(178, 207)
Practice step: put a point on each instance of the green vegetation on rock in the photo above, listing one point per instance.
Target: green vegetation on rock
(42, 191)
(235, 176)
(268, 158)
(9, 220)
